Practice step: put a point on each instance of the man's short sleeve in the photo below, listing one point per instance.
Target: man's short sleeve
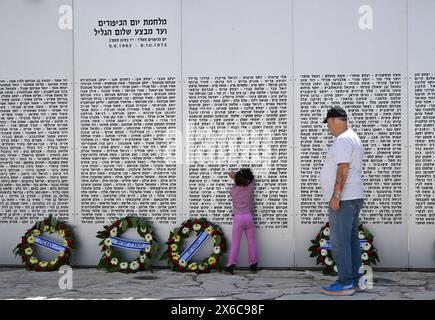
(343, 151)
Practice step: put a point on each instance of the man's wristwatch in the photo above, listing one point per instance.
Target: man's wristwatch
(336, 195)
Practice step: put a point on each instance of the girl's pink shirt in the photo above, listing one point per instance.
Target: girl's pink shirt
(243, 198)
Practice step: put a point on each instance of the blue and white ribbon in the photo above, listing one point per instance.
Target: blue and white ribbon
(48, 244)
(128, 244)
(190, 251)
(328, 245)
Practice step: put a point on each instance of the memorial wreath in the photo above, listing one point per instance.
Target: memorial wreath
(112, 259)
(33, 237)
(180, 260)
(321, 249)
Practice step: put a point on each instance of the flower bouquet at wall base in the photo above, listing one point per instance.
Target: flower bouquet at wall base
(321, 249)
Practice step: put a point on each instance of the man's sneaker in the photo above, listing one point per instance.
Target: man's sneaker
(337, 289)
(229, 269)
(253, 267)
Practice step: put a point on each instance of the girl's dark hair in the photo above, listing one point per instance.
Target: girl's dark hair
(243, 177)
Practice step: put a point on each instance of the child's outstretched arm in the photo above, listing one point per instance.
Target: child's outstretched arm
(232, 174)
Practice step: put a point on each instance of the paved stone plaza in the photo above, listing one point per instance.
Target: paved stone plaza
(88, 283)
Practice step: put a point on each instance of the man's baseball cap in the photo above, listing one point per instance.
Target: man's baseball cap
(335, 112)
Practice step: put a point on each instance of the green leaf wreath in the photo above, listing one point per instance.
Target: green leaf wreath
(48, 225)
(112, 259)
(176, 241)
(369, 253)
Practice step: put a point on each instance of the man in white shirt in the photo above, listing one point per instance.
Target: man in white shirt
(342, 186)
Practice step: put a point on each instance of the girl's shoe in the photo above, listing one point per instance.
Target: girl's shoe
(253, 267)
(230, 269)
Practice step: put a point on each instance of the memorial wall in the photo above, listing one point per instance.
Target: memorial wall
(111, 108)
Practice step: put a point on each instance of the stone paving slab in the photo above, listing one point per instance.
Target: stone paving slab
(163, 284)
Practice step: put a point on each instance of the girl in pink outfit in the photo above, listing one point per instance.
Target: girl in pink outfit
(243, 204)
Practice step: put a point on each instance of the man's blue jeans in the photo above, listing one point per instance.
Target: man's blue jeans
(346, 250)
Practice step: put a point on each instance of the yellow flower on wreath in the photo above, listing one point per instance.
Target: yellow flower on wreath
(176, 238)
(175, 256)
(31, 239)
(62, 233)
(209, 230)
(33, 260)
(174, 247)
(61, 253)
(193, 266)
(36, 232)
(211, 260)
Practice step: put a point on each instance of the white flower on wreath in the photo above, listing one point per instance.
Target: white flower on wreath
(361, 235)
(201, 267)
(322, 242)
(217, 249)
(182, 262)
(185, 230)
(196, 227)
(31, 239)
(134, 265)
(148, 249)
(43, 264)
(108, 242)
(61, 254)
(114, 261)
(142, 258)
(328, 261)
(324, 252)
(367, 246)
(66, 243)
(36, 232)
(365, 256)
(108, 253)
(326, 231)
(123, 265)
(114, 232)
(28, 251)
(33, 260)
(53, 262)
(336, 268)
(62, 233)
(143, 230)
(148, 237)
